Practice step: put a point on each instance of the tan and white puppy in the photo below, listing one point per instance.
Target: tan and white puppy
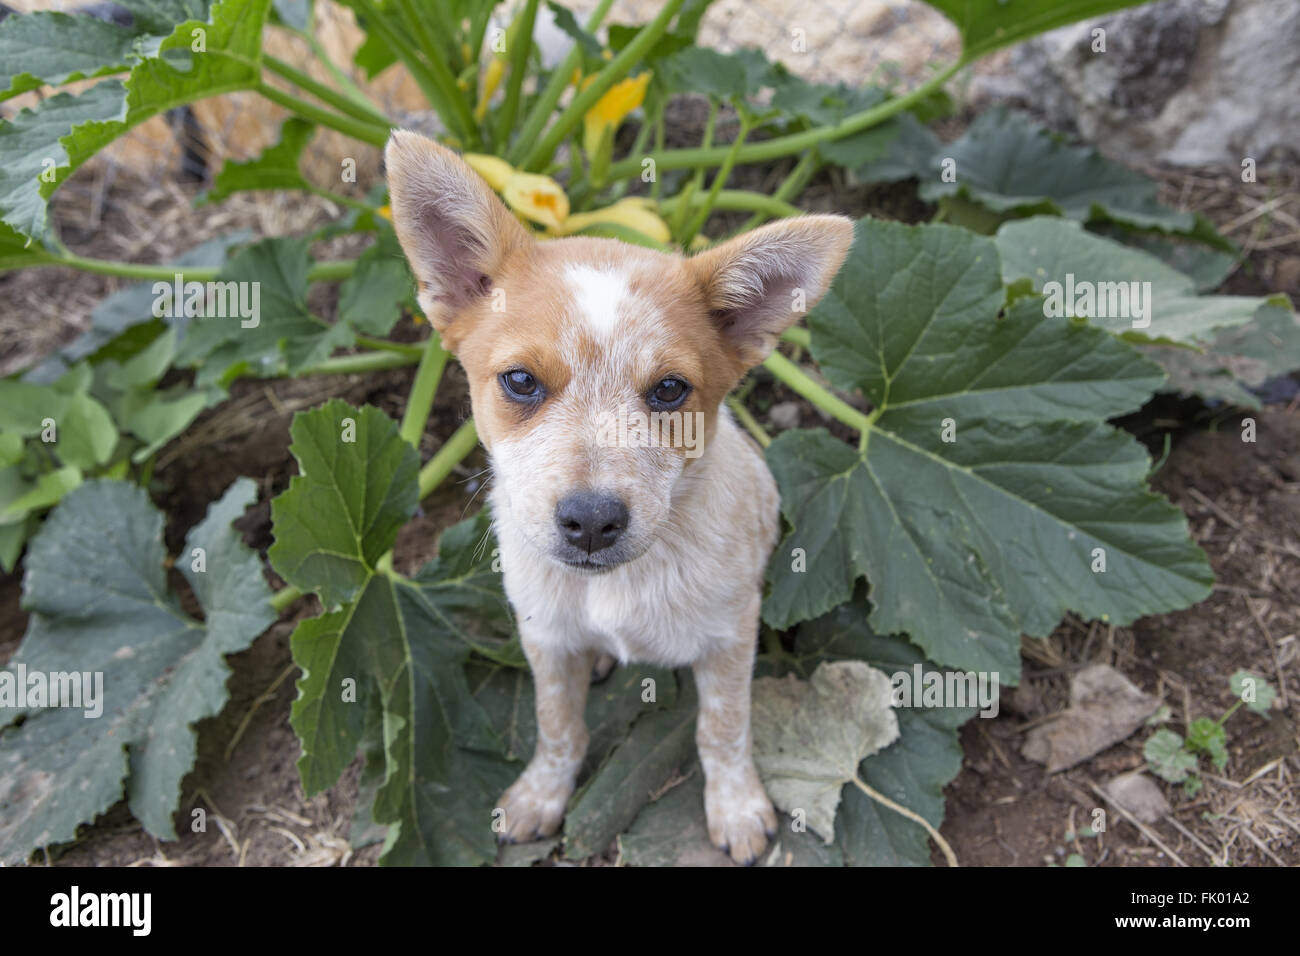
(648, 545)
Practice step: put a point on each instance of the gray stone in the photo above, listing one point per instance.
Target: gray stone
(1187, 82)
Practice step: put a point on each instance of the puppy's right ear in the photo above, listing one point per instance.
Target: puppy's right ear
(453, 229)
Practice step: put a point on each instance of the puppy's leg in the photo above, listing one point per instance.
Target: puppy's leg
(739, 813)
(534, 804)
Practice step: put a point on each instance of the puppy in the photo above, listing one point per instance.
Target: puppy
(645, 543)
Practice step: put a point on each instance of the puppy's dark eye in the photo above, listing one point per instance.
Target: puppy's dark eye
(520, 386)
(668, 394)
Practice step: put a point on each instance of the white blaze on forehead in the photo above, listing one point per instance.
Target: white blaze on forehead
(600, 295)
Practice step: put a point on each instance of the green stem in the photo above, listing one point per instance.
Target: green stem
(281, 599)
(357, 364)
(702, 214)
(638, 146)
(751, 424)
(419, 30)
(799, 381)
(555, 87)
(383, 345)
(798, 335)
(1230, 711)
(453, 451)
(779, 146)
(736, 200)
(523, 44)
(420, 402)
(614, 71)
(349, 86)
(433, 76)
(657, 185)
(349, 126)
(790, 187)
(339, 199)
(325, 94)
(330, 271)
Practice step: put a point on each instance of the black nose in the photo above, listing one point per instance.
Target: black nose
(591, 521)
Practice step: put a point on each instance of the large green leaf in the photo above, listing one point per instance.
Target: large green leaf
(84, 435)
(986, 25)
(64, 130)
(372, 298)
(405, 641)
(1241, 358)
(913, 770)
(48, 47)
(18, 251)
(1046, 249)
(286, 335)
(355, 490)
(723, 76)
(811, 735)
(971, 541)
(1010, 164)
(659, 744)
(275, 168)
(97, 593)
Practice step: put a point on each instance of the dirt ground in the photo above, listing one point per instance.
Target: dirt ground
(1243, 501)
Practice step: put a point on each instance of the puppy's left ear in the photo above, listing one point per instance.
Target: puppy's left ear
(455, 232)
(757, 285)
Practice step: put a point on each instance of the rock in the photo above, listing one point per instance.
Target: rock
(1024, 701)
(1187, 82)
(1139, 795)
(784, 415)
(1105, 707)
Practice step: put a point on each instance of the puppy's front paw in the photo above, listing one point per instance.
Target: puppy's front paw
(534, 805)
(740, 815)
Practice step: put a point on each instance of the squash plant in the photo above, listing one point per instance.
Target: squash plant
(981, 494)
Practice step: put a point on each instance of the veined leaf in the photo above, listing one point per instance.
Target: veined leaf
(810, 736)
(122, 323)
(84, 434)
(1240, 358)
(1010, 164)
(275, 168)
(914, 769)
(406, 641)
(606, 805)
(986, 25)
(724, 76)
(371, 299)
(64, 130)
(1116, 279)
(988, 485)
(355, 490)
(18, 251)
(48, 47)
(270, 278)
(162, 671)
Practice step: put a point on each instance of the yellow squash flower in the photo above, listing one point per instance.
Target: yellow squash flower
(495, 170)
(611, 109)
(386, 212)
(634, 213)
(496, 69)
(538, 198)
